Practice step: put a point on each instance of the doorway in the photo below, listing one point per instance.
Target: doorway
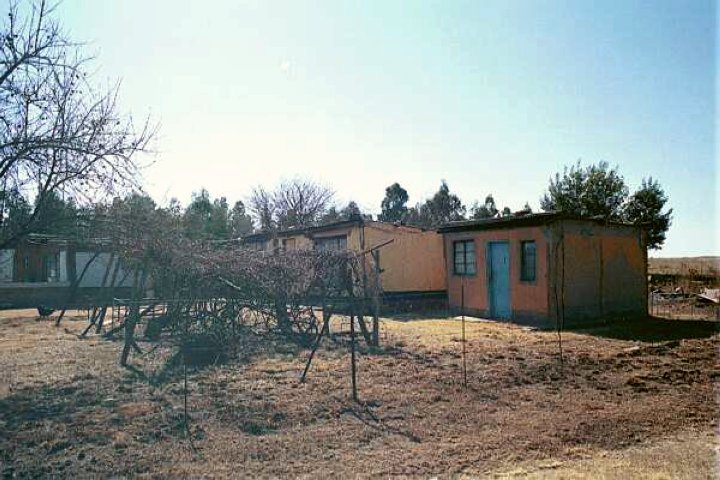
(498, 271)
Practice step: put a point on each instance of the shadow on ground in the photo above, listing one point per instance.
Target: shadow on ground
(654, 329)
(411, 316)
(199, 353)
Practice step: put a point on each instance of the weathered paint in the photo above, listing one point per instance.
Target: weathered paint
(413, 262)
(528, 300)
(585, 271)
(604, 271)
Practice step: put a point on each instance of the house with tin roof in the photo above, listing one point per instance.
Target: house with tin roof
(546, 269)
(411, 262)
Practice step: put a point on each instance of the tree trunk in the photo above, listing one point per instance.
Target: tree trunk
(283, 319)
(133, 317)
(74, 288)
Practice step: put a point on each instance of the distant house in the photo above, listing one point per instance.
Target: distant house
(412, 264)
(541, 268)
(41, 269)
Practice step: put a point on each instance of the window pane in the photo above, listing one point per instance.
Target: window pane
(331, 244)
(458, 257)
(470, 268)
(464, 257)
(470, 247)
(528, 261)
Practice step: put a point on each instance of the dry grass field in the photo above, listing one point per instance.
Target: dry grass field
(682, 265)
(631, 402)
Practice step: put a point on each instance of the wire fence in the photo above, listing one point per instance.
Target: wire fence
(680, 306)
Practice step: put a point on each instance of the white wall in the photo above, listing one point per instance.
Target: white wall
(96, 272)
(63, 266)
(7, 264)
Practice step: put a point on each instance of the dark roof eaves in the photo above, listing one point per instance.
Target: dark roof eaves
(543, 218)
(303, 230)
(500, 223)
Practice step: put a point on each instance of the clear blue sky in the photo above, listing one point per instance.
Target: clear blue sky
(493, 97)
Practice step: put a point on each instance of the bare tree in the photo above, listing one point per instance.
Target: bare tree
(300, 203)
(58, 134)
(297, 203)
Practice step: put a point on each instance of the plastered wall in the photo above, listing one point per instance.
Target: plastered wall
(528, 300)
(604, 271)
(413, 262)
(587, 270)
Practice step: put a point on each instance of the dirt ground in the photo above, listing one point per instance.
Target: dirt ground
(632, 401)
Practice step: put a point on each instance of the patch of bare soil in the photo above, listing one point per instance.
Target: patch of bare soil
(68, 409)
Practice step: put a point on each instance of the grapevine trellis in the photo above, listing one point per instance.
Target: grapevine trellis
(211, 298)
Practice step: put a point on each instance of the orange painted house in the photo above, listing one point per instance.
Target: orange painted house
(545, 268)
(412, 263)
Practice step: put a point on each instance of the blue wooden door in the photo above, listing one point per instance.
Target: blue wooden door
(498, 268)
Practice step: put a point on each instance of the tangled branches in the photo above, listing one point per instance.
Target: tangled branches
(221, 292)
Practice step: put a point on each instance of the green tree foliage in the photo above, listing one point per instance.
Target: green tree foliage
(593, 191)
(442, 208)
(332, 215)
(124, 218)
(15, 214)
(134, 206)
(207, 218)
(50, 215)
(241, 223)
(600, 191)
(219, 225)
(394, 205)
(486, 210)
(351, 210)
(55, 216)
(645, 206)
(197, 215)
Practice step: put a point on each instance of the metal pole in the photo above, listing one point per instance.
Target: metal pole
(652, 303)
(462, 316)
(352, 357)
(376, 298)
